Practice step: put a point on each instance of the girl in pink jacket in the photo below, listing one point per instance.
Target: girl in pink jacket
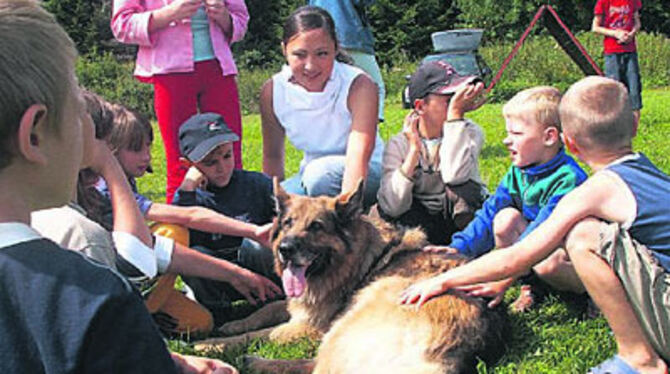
(184, 51)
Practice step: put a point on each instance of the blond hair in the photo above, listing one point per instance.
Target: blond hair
(596, 112)
(538, 103)
(36, 67)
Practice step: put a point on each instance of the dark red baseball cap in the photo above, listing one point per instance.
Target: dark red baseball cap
(437, 77)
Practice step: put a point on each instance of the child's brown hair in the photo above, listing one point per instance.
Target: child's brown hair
(130, 129)
(596, 113)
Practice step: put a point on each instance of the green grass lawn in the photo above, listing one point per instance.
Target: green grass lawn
(553, 338)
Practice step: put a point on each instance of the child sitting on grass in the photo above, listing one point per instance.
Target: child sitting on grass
(430, 172)
(59, 312)
(615, 228)
(130, 139)
(206, 146)
(540, 175)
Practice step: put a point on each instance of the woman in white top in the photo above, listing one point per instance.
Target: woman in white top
(326, 108)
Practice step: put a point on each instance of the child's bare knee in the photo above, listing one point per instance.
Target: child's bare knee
(552, 264)
(584, 236)
(508, 224)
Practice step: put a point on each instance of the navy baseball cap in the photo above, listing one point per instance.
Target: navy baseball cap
(201, 133)
(436, 77)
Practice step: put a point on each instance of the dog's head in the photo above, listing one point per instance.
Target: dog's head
(312, 236)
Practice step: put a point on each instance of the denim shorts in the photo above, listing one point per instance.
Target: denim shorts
(625, 68)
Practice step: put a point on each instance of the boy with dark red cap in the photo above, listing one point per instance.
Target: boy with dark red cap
(431, 170)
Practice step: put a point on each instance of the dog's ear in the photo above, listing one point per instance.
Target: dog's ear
(281, 197)
(350, 204)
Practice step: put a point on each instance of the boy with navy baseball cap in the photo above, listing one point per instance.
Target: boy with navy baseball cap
(206, 145)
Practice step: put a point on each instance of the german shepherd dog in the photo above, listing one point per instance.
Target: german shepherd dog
(343, 274)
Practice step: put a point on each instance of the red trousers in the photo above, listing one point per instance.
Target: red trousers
(178, 96)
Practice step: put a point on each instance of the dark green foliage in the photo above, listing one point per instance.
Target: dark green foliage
(540, 61)
(261, 45)
(114, 80)
(402, 29)
(507, 19)
(86, 21)
(656, 16)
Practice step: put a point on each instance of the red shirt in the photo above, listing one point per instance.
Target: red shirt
(617, 14)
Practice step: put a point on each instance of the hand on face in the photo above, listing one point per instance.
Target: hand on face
(411, 130)
(195, 178)
(468, 98)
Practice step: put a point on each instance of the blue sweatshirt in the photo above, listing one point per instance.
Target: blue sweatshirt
(534, 191)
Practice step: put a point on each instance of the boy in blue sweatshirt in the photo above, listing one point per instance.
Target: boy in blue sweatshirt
(540, 175)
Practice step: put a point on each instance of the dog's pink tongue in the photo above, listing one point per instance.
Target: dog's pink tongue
(293, 280)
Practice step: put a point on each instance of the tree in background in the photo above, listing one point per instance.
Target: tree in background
(86, 21)
(402, 29)
(261, 45)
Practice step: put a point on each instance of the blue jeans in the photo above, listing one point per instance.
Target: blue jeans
(324, 175)
(625, 68)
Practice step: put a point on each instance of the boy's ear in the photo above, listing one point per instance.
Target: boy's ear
(570, 144)
(418, 106)
(551, 135)
(32, 132)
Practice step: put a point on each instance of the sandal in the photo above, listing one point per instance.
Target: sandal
(614, 365)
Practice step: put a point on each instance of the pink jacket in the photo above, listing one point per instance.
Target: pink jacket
(170, 50)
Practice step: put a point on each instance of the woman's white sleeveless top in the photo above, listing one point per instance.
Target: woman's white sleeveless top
(318, 123)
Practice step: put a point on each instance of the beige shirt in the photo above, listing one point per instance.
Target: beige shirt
(462, 142)
(70, 228)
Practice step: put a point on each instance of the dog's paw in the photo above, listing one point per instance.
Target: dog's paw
(250, 362)
(234, 328)
(289, 332)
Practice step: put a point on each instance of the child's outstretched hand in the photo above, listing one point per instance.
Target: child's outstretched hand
(440, 249)
(263, 235)
(495, 289)
(422, 291)
(254, 287)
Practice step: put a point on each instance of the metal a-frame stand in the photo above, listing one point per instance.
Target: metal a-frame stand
(563, 36)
